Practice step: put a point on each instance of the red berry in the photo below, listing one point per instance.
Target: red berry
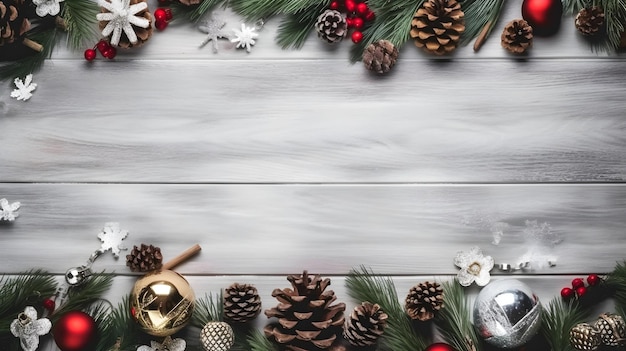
(358, 23)
(357, 36)
(362, 8)
(90, 55)
(577, 283)
(567, 293)
(593, 279)
(103, 45)
(49, 304)
(168, 14)
(581, 291)
(370, 15)
(350, 22)
(160, 25)
(334, 5)
(350, 5)
(110, 53)
(159, 14)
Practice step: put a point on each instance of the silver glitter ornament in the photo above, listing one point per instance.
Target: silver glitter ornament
(507, 314)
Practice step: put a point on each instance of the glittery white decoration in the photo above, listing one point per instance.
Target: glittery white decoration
(214, 30)
(121, 17)
(47, 7)
(111, 237)
(28, 328)
(167, 345)
(8, 211)
(474, 267)
(24, 89)
(245, 37)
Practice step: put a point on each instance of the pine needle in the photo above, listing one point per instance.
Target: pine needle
(616, 281)
(80, 18)
(208, 309)
(82, 297)
(22, 67)
(254, 10)
(258, 342)
(295, 28)
(118, 329)
(454, 321)
(558, 319)
(399, 335)
(194, 13)
(614, 19)
(478, 15)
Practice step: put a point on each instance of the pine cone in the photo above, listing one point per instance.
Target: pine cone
(217, 336)
(13, 23)
(143, 34)
(306, 319)
(424, 300)
(589, 21)
(612, 329)
(145, 258)
(584, 337)
(365, 325)
(517, 36)
(437, 26)
(331, 26)
(380, 56)
(242, 303)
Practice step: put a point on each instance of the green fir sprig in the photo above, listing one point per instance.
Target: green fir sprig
(80, 19)
(295, 28)
(454, 321)
(194, 13)
(614, 19)
(364, 285)
(258, 342)
(481, 17)
(117, 330)
(616, 281)
(27, 289)
(20, 68)
(558, 319)
(83, 296)
(210, 308)
(254, 10)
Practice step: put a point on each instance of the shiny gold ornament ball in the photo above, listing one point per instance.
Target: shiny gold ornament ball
(162, 303)
(217, 336)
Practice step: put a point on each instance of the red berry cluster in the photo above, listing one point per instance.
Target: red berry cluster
(579, 289)
(105, 49)
(358, 14)
(162, 17)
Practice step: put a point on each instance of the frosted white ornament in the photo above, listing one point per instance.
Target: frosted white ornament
(214, 30)
(47, 7)
(111, 237)
(28, 328)
(24, 89)
(475, 267)
(245, 38)
(121, 16)
(168, 344)
(8, 211)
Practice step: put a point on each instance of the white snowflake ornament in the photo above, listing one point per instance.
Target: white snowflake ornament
(8, 211)
(28, 328)
(111, 237)
(474, 267)
(47, 7)
(167, 345)
(245, 37)
(214, 30)
(121, 17)
(24, 89)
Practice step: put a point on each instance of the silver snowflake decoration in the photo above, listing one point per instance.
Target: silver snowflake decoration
(47, 7)
(245, 37)
(214, 30)
(111, 237)
(28, 328)
(121, 17)
(167, 345)
(24, 89)
(8, 211)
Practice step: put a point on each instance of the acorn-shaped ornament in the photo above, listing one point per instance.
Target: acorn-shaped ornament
(584, 336)
(217, 336)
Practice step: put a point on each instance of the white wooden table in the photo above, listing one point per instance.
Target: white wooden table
(279, 161)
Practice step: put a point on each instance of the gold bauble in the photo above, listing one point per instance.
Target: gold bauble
(162, 303)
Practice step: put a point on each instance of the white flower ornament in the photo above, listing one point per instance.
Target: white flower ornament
(167, 345)
(47, 7)
(245, 37)
(474, 267)
(24, 87)
(121, 16)
(28, 328)
(8, 211)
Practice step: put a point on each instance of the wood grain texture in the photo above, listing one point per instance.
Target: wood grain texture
(271, 229)
(314, 121)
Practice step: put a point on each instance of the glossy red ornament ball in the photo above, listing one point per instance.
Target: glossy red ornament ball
(581, 291)
(358, 23)
(357, 36)
(49, 304)
(439, 346)
(543, 15)
(334, 5)
(593, 279)
(577, 283)
(90, 55)
(362, 8)
(160, 25)
(350, 6)
(160, 15)
(370, 15)
(567, 293)
(75, 331)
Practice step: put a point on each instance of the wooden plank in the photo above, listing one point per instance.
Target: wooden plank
(311, 121)
(274, 229)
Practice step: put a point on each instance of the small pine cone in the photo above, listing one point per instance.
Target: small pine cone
(517, 36)
(380, 56)
(424, 300)
(13, 23)
(365, 325)
(217, 336)
(584, 337)
(242, 303)
(144, 258)
(143, 34)
(612, 329)
(437, 26)
(331, 26)
(589, 21)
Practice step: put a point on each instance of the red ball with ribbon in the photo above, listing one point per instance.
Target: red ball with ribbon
(543, 15)
(75, 331)
(439, 346)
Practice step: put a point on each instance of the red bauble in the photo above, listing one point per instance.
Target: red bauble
(75, 331)
(593, 279)
(357, 37)
(543, 15)
(439, 346)
(577, 283)
(581, 291)
(358, 23)
(567, 293)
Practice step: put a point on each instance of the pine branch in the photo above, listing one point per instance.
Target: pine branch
(558, 319)
(480, 15)
(614, 19)
(208, 309)
(22, 67)
(295, 28)
(195, 13)
(399, 335)
(454, 321)
(118, 329)
(81, 297)
(80, 18)
(258, 342)
(393, 23)
(616, 281)
(27, 289)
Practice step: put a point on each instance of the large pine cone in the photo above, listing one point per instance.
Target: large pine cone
(437, 26)
(331, 26)
(584, 337)
(365, 325)
(380, 56)
(143, 34)
(13, 23)
(517, 36)
(307, 320)
(424, 300)
(612, 329)
(144, 258)
(242, 303)
(589, 21)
